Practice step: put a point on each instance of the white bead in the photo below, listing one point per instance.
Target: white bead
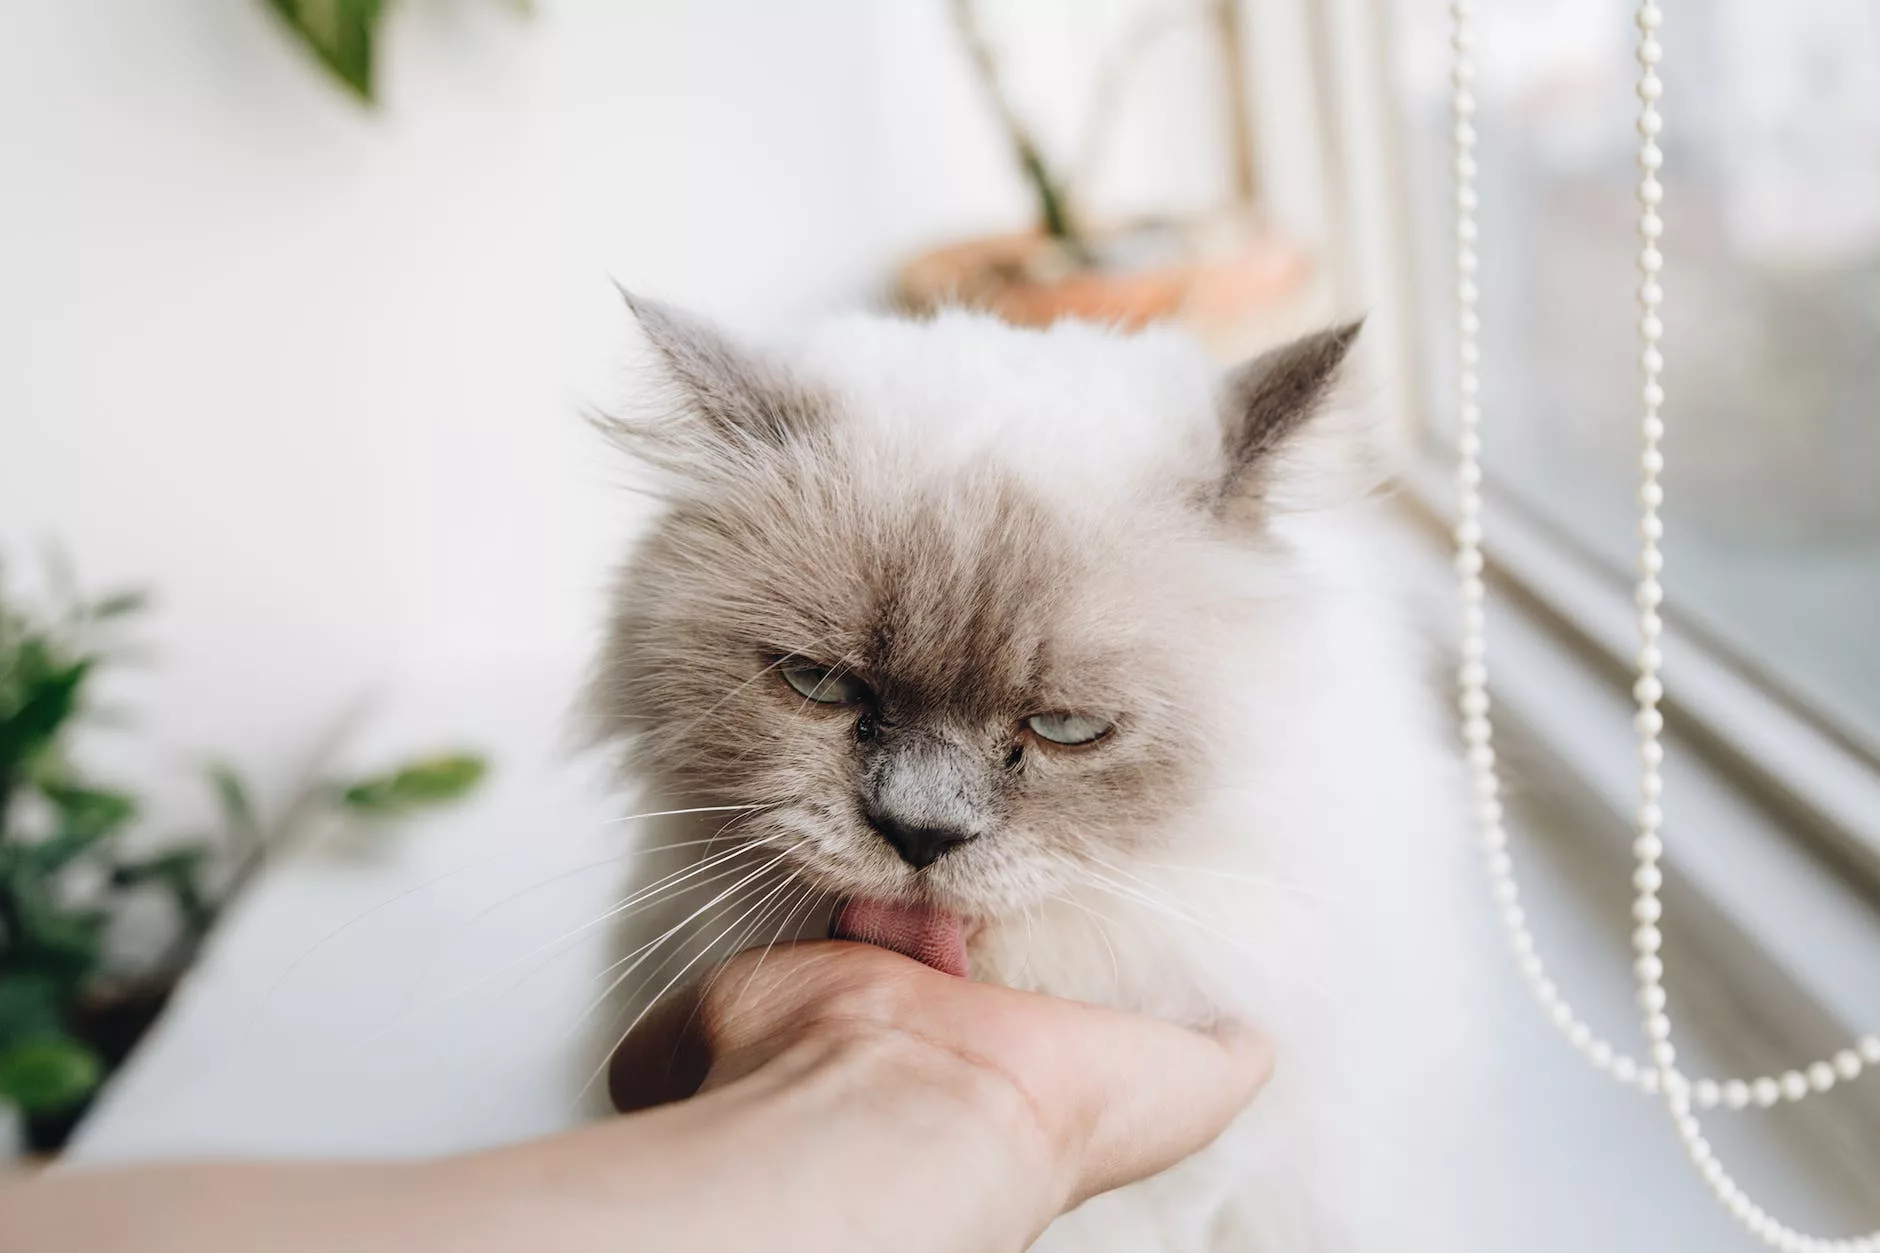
(1650, 87)
(1647, 909)
(1652, 528)
(1648, 1081)
(1869, 1048)
(1650, 816)
(1624, 1069)
(1649, 969)
(1657, 1027)
(1600, 1054)
(1765, 1092)
(1651, 754)
(1652, 261)
(1821, 1076)
(1735, 1094)
(1649, 16)
(1648, 848)
(1706, 1093)
(1651, 998)
(1847, 1064)
(1651, 359)
(1649, 658)
(1794, 1086)
(1651, 495)
(1648, 878)
(1650, 53)
(1664, 1054)
(1651, 191)
(1648, 691)
(1647, 939)
(1649, 722)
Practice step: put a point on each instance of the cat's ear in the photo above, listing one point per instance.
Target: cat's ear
(1277, 427)
(721, 400)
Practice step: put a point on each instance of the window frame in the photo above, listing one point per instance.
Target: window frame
(1797, 800)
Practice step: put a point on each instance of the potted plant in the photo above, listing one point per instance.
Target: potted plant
(1213, 272)
(71, 1010)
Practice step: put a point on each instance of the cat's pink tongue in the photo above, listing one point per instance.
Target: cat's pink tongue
(928, 935)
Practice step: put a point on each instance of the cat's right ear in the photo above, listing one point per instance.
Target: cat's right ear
(720, 401)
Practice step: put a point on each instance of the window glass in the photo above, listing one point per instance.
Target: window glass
(1772, 306)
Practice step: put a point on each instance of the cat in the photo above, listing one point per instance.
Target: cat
(1084, 646)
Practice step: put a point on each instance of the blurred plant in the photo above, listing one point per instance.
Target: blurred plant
(343, 34)
(69, 1009)
(1053, 190)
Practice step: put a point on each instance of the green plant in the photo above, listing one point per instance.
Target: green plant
(343, 36)
(66, 870)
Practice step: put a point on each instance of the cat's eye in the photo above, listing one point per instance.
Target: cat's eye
(1070, 729)
(822, 684)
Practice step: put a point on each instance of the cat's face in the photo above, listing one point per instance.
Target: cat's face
(936, 674)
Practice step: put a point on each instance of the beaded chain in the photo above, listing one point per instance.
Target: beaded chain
(1658, 1074)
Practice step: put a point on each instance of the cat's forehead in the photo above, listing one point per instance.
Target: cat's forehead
(1077, 410)
(962, 590)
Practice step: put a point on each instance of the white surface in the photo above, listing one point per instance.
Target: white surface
(403, 995)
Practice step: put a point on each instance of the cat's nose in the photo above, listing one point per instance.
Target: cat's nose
(919, 846)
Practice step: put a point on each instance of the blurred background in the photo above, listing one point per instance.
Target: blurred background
(304, 301)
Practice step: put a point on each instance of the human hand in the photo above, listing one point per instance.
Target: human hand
(1070, 1099)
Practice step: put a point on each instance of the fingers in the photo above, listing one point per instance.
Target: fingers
(1115, 1096)
(1137, 1094)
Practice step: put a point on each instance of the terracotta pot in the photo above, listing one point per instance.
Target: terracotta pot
(1205, 273)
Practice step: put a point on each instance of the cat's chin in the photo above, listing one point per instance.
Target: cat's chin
(933, 936)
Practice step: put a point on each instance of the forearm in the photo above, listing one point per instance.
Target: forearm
(849, 1143)
(835, 1144)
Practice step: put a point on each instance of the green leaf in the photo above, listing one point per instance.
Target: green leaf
(32, 1004)
(45, 701)
(48, 1074)
(429, 781)
(341, 33)
(66, 944)
(117, 605)
(238, 810)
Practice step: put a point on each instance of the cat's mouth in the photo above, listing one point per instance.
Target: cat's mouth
(933, 936)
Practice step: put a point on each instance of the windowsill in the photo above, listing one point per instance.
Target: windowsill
(1779, 934)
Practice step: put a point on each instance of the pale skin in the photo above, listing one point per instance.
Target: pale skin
(828, 1096)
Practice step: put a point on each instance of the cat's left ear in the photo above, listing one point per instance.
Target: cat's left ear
(1277, 426)
(728, 404)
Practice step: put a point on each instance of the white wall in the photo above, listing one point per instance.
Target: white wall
(313, 372)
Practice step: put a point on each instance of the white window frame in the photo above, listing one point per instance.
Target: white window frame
(1778, 876)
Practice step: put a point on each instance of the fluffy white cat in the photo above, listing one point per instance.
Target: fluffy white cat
(1072, 657)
